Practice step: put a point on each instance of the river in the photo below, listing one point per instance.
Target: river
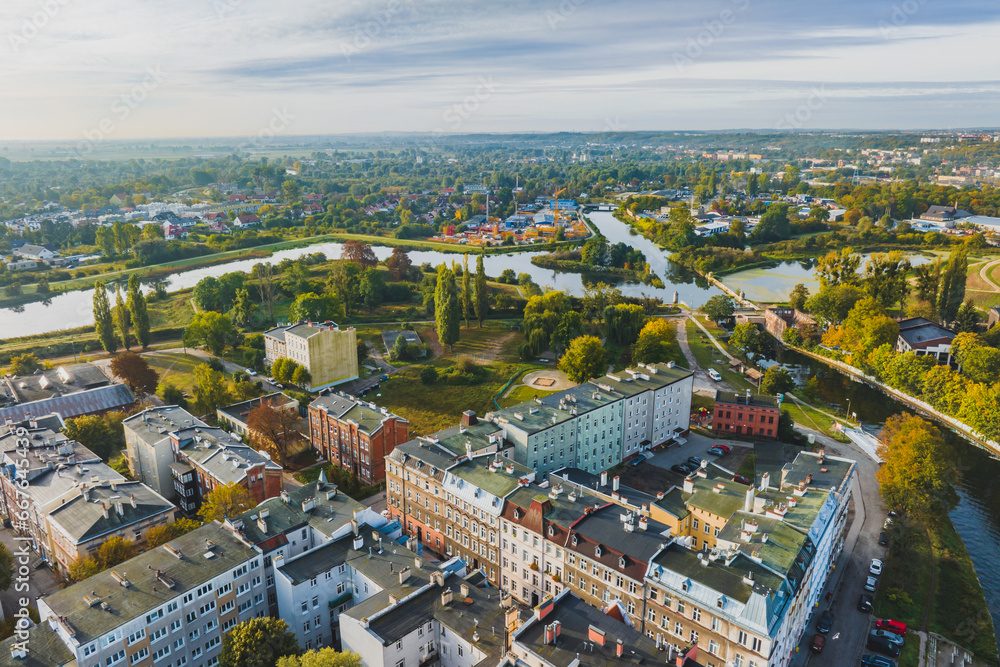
(75, 309)
(977, 516)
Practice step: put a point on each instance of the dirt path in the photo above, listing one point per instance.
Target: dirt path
(682, 340)
(984, 274)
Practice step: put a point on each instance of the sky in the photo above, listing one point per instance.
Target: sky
(88, 70)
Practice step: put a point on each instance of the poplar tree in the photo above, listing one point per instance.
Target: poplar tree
(140, 314)
(466, 290)
(103, 323)
(482, 295)
(446, 307)
(121, 318)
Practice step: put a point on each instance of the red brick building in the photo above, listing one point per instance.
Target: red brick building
(354, 435)
(777, 320)
(750, 415)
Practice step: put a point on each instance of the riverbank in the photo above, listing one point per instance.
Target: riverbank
(624, 275)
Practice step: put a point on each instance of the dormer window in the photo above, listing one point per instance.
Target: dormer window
(517, 515)
(684, 586)
(597, 551)
(574, 540)
(621, 562)
(552, 531)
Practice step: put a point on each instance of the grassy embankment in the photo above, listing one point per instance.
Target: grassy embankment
(929, 572)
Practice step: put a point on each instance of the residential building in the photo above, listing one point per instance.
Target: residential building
(329, 353)
(599, 423)
(41, 648)
(49, 383)
(925, 338)
(206, 458)
(778, 319)
(244, 220)
(168, 605)
(35, 252)
(148, 446)
(753, 415)
(90, 515)
(355, 435)
(87, 402)
(235, 416)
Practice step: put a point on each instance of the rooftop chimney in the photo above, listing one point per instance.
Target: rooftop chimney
(620, 648)
(615, 483)
(596, 635)
(464, 588)
(604, 478)
(765, 482)
(132, 500)
(748, 501)
(404, 574)
(104, 508)
(469, 418)
(446, 597)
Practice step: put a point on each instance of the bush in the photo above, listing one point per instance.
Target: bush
(428, 375)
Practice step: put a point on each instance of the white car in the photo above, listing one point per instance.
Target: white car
(876, 567)
(251, 372)
(714, 374)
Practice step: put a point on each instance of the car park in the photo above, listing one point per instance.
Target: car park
(865, 604)
(872, 660)
(883, 645)
(875, 567)
(742, 479)
(714, 374)
(871, 583)
(817, 643)
(825, 622)
(888, 636)
(892, 626)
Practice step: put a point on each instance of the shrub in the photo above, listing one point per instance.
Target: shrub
(428, 375)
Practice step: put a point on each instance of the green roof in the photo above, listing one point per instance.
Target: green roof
(723, 503)
(673, 503)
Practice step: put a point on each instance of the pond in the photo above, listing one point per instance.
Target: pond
(75, 309)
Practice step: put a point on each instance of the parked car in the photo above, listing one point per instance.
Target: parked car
(825, 622)
(714, 374)
(251, 372)
(817, 643)
(865, 604)
(892, 626)
(384, 378)
(872, 660)
(883, 538)
(742, 479)
(694, 461)
(682, 469)
(876, 567)
(726, 448)
(883, 645)
(715, 451)
(639, 459)
(888, 636)
(871, 583)
(888, 522)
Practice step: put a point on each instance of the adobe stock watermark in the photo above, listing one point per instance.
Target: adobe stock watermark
(365, 33)
(32, 25)
(712, 30)
(615, 124)
(224, 8)
(456, 115)
(899, 16)
(280, 120)
(120, 110)
(562, 12)
(795, 120)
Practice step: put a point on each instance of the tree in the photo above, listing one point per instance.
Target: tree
(428, 375)
(597, 298)
(981, 409)
(163, 534)
(399, 264)
(446, 307)
(42, 287)
(101, 434)
(243, 308)
(135, 372)
(213, 330)
(302, 377)
(272, 427)
(595, 251)
(508, 277)
(6, 568)
(928, 277)
(748, 339)
(24, 364)
(623, 322)
(917, 474)
(225, 501)
(283, 369)
(206, 294)
(292, 191)
(360, 253)
(103, 321)
(718, 308)
(838, 268)
(122, 319)
(372, 288)
(466, 290)
(776, 380)
(139, 312)
(967, 319)
(324, 657)
(257, 642)
(980, 363)
(865, 328)
(345, 279)
(798, 297)
(170, 394)
(885, 277)
(655, 342)
(210, 390)
(317, 308)
(945, 389)
(952, 287)
(264, 274)
(481, 299)
(584, 359)
(113, 552)
(14, 289)
(773, 225)
(570, 326)
(833, 304)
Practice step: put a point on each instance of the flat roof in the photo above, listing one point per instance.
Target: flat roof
(756, 400)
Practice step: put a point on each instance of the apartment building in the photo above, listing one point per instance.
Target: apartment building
(598, 424)
(355, 435)
(148, 446)
(752, 415)
(329, 353)
(90, 515)
(235, 416)
(206, 458)
(167, 606)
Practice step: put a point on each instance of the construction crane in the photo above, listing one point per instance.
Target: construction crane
(555, 208)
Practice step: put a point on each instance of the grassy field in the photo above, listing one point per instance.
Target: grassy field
(175, 368)
(174, 311)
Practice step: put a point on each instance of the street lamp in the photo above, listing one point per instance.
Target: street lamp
(848, 413)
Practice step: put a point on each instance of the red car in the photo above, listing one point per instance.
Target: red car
(890, 625)
(741, 479)
(726, 448)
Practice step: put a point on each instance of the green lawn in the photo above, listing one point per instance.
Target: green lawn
(176, 368)
(520, 394)
(174, 311)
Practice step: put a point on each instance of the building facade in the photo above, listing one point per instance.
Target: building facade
(148, 446)
(751, 415)
(329, 353)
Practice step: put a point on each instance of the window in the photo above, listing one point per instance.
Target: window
(139, 655)
(116, 658)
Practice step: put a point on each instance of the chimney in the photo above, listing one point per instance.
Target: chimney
(604, 478)
(596, 635)
(550, 634)
(86, 494)
(417, 563)
(748, 501)
(132, 500)
(104, 508)
(404, 574)
(118, 505)
(438, 578)
(822, 455)
(643, 523)
(620, 648)
(464, 588)
(558, 628)
(446, 597)
(615, 483)
(359, 542)
(765, 482)
(469, 418)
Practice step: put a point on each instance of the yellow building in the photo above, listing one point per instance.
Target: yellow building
(328, 352)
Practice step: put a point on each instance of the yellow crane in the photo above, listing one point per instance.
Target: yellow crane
(555, 208)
